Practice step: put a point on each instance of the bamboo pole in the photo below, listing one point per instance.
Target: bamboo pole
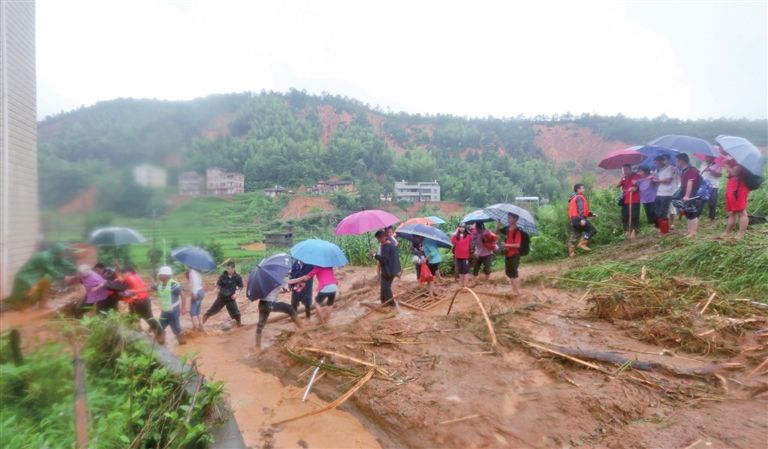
(491, 331)
(81, 407)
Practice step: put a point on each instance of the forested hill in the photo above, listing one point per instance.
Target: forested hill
(297, 139)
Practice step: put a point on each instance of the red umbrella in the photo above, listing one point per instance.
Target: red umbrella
(617, 159)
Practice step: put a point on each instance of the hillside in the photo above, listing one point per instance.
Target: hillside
(296, 139)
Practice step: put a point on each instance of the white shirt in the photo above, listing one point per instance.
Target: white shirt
(195, 280)
(707, 173)
(663, 174)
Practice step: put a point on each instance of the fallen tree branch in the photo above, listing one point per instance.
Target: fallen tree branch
(340, 400)
(491, 331)
(463, 418)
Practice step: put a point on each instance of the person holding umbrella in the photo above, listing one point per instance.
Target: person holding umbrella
(630, 207)
(301, 293)
(196, 295)
(664, 178)
(512, 246)
(327, 286)
(689, 184)
(736, 195)
(265, 283)
(228, 284)
(461, 241)
(389, 266)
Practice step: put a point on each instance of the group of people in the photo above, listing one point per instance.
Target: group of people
(666, 192)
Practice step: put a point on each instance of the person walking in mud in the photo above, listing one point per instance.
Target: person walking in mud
(327, 286)
(33, 280)
(512, 246)
(228, 284)
(271, 304)
(484, 242)
(301, 293)
(136, 296)
(389, 266)
(172, 304)
(578, 215)
(196, 295)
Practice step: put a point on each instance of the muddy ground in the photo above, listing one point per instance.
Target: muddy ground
(438, 381)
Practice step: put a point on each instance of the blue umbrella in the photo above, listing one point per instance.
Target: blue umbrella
(319, 253)
(686, 144)
(267, 276)
(743, 152)
(436, 220)
(478, 215)
(115, 236)
(195, 257)
(651, 152)
(525, 220)
(408, 232)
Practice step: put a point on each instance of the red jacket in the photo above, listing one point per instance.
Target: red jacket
(461, 246)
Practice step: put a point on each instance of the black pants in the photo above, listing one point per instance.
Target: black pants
(321, 297)
(107, 304)
(267, 307)
(302, 298)
(484, 262)
(511, 265)
(586, 232)
(634, 209)
(650, 213)
(712, 203)
(662, 206)
(143, 309)
(222, 301)
(386, 290)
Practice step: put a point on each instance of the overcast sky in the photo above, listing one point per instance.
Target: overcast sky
(687, 59)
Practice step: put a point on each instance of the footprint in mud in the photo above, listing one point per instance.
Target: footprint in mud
(302, 443)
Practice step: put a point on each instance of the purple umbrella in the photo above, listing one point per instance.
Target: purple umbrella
(365, 221)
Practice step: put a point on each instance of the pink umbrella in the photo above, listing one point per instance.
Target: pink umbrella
(365, 221)
(617, 159)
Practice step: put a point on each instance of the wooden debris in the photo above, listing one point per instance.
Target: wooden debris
(463, 418)
(491, 331)
(340, 400)
(752, 373)
(711, 297)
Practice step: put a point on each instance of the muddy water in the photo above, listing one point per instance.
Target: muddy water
(259, 398)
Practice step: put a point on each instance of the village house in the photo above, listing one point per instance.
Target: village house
(148, 175)
(274, 192)
(333, 186)
(223, 183)
(420, 191)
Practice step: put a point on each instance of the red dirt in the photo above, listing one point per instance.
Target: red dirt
(84, 201)
(376, 121)
(331, 120)
(577, 149)
(299, 206)
(217, 127)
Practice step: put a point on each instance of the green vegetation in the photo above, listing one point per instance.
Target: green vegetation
(739, 269)
(133, 401)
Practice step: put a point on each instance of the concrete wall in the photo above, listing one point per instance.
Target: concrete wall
(19, 223)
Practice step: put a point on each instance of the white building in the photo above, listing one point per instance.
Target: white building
(223, 183)
(19, 221)
(149, 175)
(420, 191)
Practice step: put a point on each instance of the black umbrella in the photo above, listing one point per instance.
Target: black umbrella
(268, 275)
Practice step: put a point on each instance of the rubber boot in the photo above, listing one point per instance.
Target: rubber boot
(583, 245)
(181, 339)
(571, 249)
(238, 323)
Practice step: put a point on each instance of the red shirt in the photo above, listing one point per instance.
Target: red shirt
(690, 174)
(134, 283)
(514, 237)
(626, 184)
(461, 246)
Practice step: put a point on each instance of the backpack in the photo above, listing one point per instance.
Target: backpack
(525, 243)
(489, 241)
(752, 181)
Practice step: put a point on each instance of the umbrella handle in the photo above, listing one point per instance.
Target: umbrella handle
(630, 211)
